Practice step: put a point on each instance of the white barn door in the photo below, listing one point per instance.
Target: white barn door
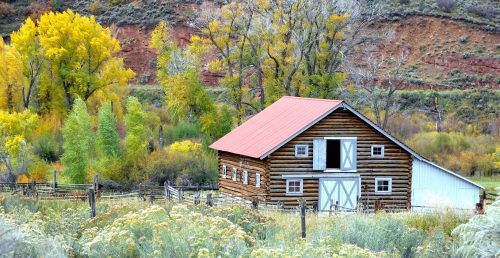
(348, 154)
(345, 191)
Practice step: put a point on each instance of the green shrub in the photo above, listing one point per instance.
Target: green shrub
(183, 130)
(48, 147)
(95, 7)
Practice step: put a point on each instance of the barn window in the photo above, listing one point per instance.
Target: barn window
(235, 174)
(245, 177)
(333, 154)
(301, 150)
(224, 171)
(294, 186)
(257, 180)
(378, 151)
(383, 185)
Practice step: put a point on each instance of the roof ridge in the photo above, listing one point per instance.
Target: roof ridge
(316, 99)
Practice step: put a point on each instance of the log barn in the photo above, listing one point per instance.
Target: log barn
(326, 152)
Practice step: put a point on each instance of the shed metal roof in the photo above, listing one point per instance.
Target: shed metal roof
(275, 125)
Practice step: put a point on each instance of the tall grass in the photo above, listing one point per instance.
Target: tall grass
(134, 228)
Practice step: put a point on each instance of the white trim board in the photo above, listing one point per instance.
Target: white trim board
(319, 175)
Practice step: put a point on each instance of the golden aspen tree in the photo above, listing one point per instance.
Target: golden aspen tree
(82, 56)
(11, 78)
(27, 43)
(14, 141)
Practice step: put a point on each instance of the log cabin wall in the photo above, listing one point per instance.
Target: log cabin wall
(241, 163)
(396, 163)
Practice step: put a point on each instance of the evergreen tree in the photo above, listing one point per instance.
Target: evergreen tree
(108, 140)
(78, 143)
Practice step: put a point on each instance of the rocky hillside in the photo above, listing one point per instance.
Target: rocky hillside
(450, 44)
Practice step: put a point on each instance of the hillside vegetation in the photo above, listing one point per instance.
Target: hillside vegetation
(67, 98)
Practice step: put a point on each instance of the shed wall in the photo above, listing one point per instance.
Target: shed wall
(433, 187)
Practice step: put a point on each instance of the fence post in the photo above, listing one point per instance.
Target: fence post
(337, 208)
(209, 200)
(255, 203)
(180, 195)
(54, 183)
(197, 198)
(165, 194)
(151, 198)
(92, 202)
(331, 208)
(96, 185)
(35, 192)
(303, 217)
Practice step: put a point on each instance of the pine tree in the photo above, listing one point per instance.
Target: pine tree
(108, 140)
(78, 143)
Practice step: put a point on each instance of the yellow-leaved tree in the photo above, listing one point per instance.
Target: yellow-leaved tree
(14, 142)
(82, 58)
(26, 42)
(11, 77)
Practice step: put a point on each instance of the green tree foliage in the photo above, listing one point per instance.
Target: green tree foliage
(216, 123)
(185, 98)
(136, 140)
(78, 143)
(108, 140)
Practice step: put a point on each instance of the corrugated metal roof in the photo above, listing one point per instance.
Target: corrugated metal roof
(275, 125)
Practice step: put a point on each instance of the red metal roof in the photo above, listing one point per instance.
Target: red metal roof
(275, 126)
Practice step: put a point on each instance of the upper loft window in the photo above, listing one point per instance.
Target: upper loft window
(301, 150)
(333, 154)
(224, 171)
(378, 151)
(383, 185)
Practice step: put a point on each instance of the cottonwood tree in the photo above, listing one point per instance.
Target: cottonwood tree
(11, 78)
(295, 47)
(14, 141)
(31, 54)
(81, 55)
(185, 97)
(378, 81)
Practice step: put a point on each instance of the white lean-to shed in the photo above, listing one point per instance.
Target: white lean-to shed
(436, 187)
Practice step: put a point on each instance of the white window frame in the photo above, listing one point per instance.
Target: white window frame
(224, 171)
(257, 180)
(376, 155)
(234, 174)
(245, 177)
(378, 179)
(301, 181)
(340, 138)
(297, 146)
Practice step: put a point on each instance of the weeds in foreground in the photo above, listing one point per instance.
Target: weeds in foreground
(62, 228)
